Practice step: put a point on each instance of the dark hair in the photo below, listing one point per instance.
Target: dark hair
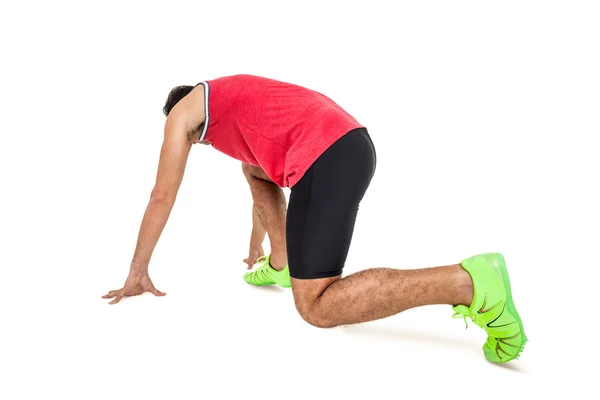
(176, 94)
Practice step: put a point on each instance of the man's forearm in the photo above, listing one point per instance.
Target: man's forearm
(259, 229)
(270, 207)
(153, 223)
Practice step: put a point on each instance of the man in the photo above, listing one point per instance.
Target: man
(290, 136)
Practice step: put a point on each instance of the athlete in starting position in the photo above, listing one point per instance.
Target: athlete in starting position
(290, 136)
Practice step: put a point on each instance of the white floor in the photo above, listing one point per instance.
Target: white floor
(217, 337)
(485, 119)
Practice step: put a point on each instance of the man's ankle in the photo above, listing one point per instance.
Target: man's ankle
(278, 261)
(465, 285)
(277, 267)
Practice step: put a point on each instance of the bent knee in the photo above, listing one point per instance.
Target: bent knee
(312, 314)
(307, 296)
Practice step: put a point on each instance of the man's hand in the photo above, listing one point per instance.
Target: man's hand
(256, 251)
(136, 284)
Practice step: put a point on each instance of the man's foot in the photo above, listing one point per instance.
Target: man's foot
(267, 275)
(493, 308)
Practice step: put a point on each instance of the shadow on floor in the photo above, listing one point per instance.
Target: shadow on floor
(407, 335)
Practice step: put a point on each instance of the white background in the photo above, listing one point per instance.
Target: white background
(485, 117)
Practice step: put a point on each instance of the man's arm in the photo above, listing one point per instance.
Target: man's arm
(257, 237)
(259, 231)
(181, 132)
(171, 166)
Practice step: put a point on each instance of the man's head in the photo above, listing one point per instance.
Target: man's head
(176, 94)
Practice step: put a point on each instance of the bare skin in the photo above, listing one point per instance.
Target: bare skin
(256, 239)
(378, 293)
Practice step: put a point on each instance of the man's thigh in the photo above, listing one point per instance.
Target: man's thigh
(318, 236)
(322, 212)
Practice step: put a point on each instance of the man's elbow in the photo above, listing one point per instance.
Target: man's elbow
(250, 172)
(162, 196)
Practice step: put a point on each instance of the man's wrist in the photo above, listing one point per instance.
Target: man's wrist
(137, 267)
(258, 235)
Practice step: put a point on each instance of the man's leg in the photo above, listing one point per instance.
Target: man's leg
(320, 223)
(270, 205)
(484, 296)
(378, 293)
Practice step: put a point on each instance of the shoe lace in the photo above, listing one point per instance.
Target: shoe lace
(463, 312)
(261, 259)
(264, 272)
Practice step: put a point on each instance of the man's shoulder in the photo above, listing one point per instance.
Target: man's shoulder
(189, 113)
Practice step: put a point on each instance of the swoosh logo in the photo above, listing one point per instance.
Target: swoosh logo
(503, 341)
(489, 324)
(500, 349)
(483, 310)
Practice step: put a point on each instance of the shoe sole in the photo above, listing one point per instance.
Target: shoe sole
(510, 306)
(269, 284)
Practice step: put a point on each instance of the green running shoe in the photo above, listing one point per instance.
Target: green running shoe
(493, 308)
(267, 275)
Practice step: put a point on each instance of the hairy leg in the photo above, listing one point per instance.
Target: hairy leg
(378, 293)
(270, 210)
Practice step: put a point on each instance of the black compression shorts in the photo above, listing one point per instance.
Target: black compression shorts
(323, 207)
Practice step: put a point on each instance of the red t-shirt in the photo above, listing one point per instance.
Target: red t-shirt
(280, 127)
